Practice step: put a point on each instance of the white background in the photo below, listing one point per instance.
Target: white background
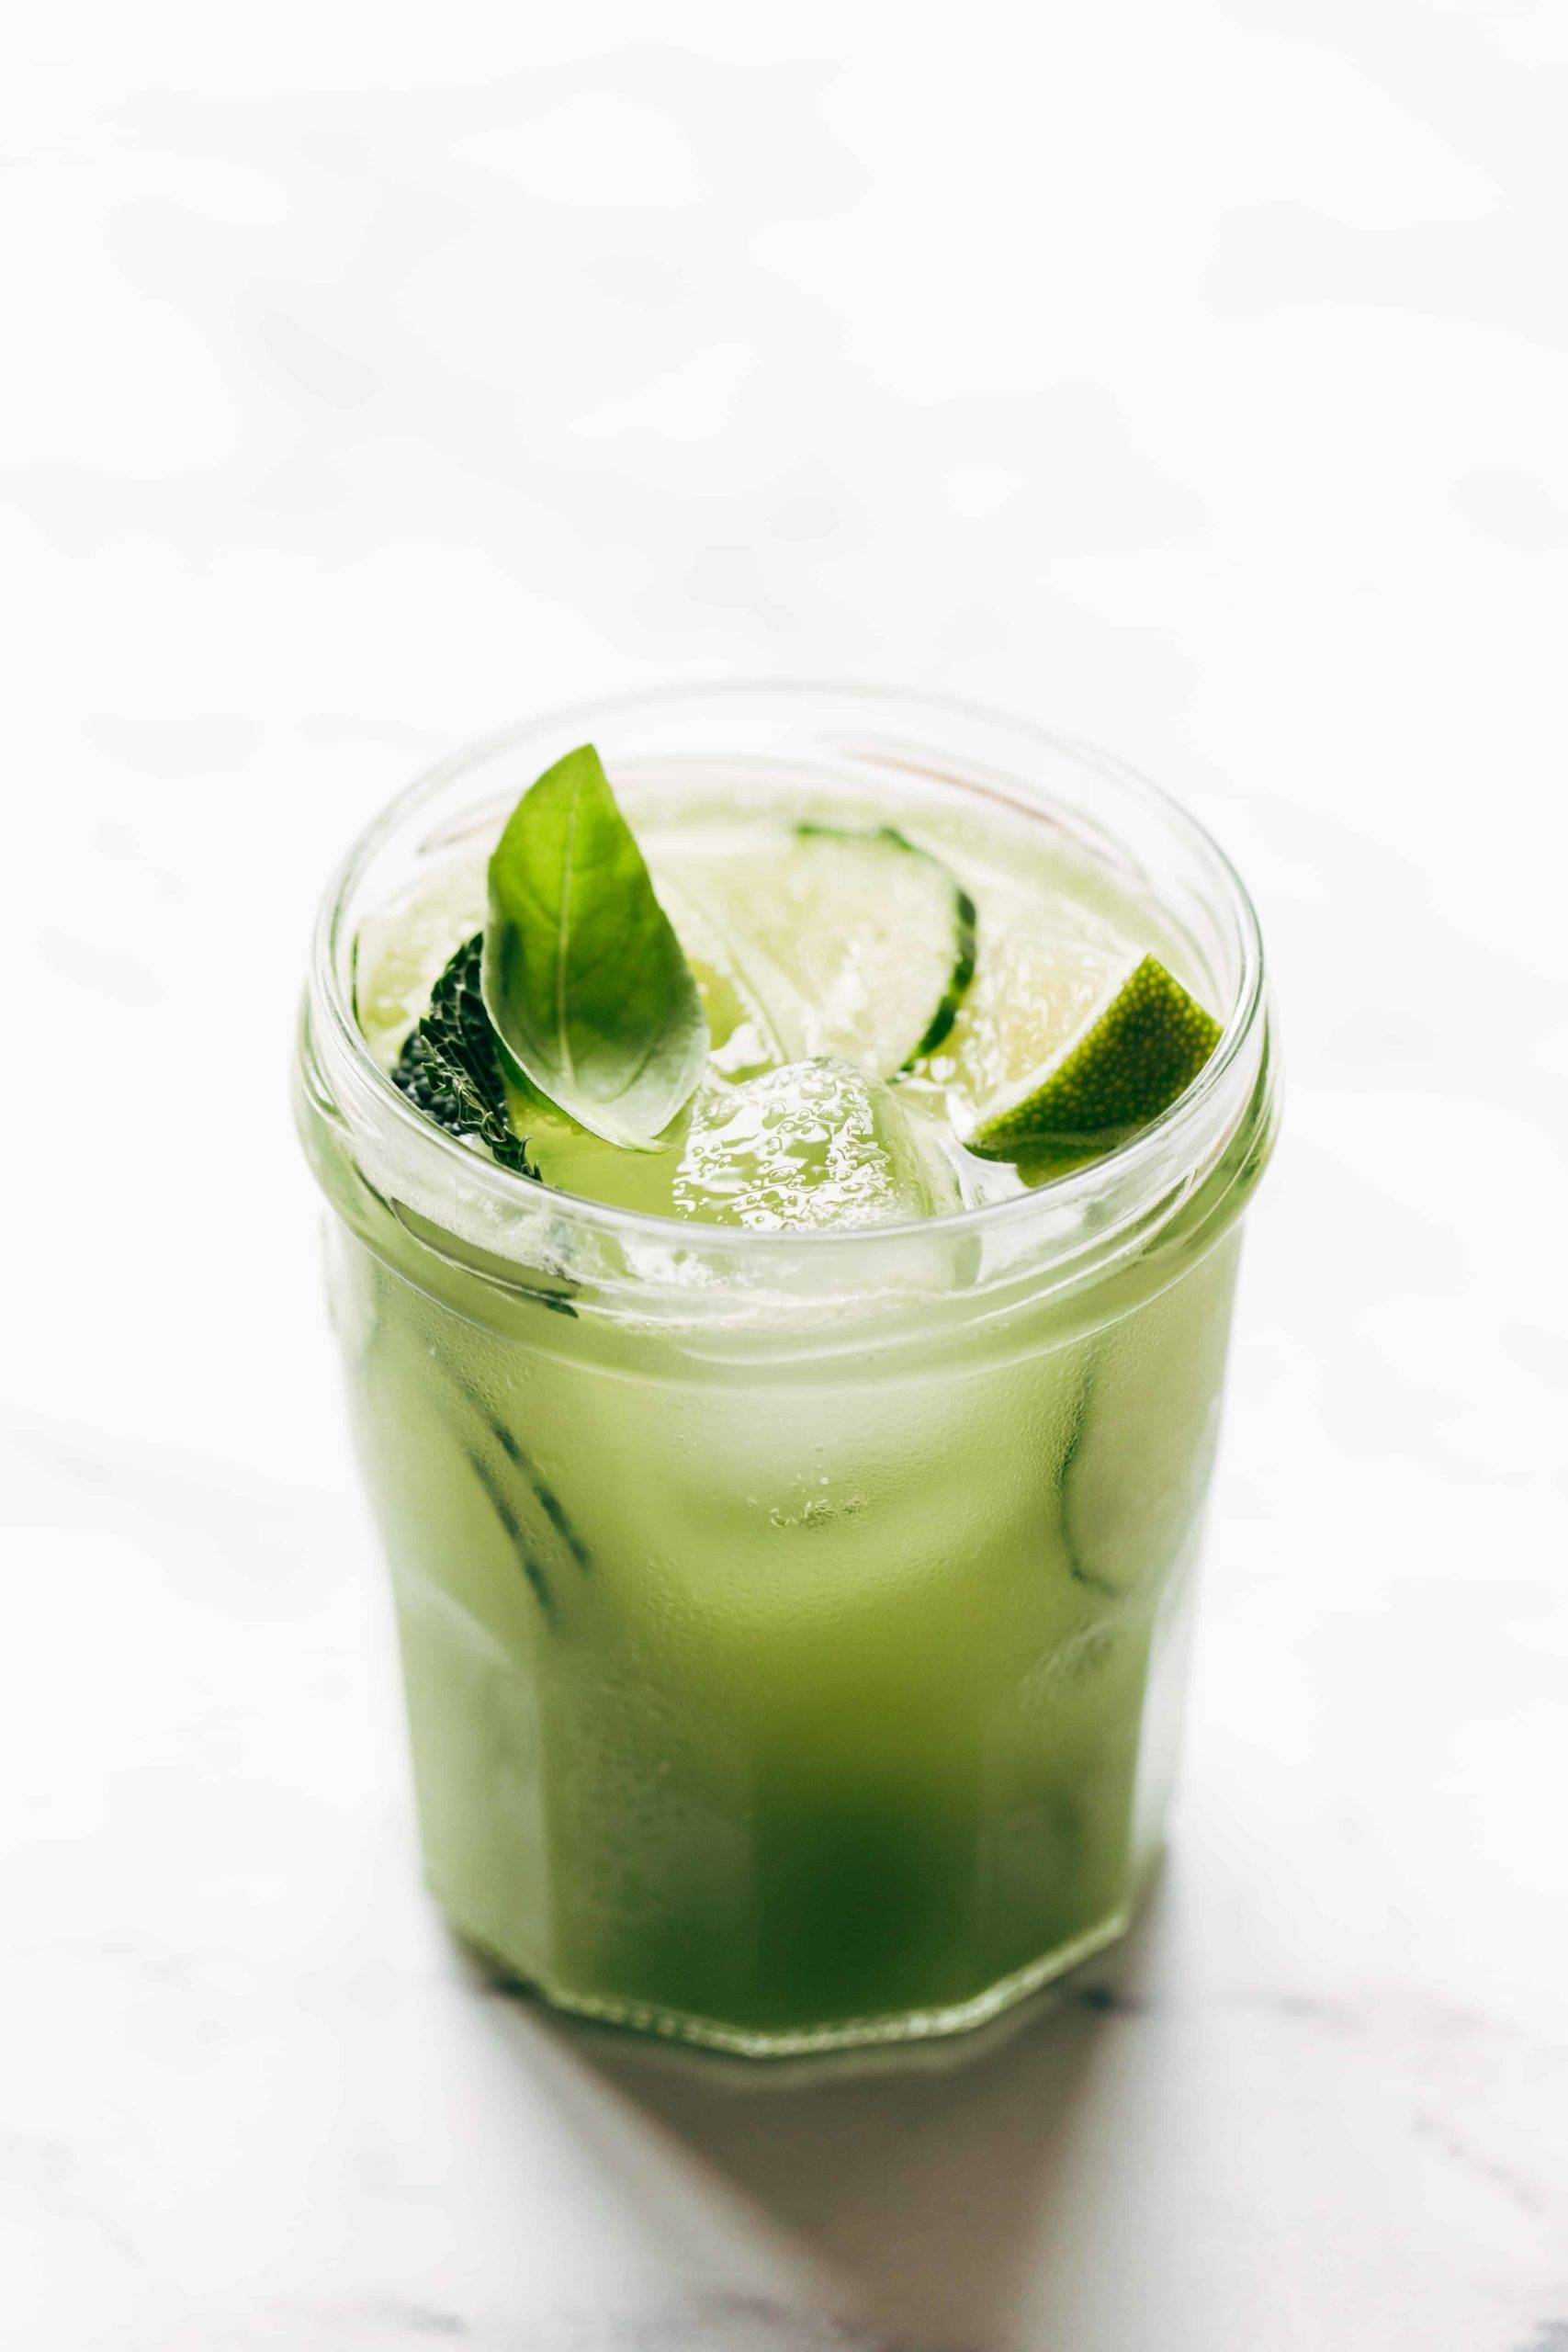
(1190, 377)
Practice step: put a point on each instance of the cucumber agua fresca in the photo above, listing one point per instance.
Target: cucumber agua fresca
(773, 1698)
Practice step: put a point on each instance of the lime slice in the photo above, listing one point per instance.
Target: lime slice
(817, 1143)
(855, 944)
(754, 1014)
(1136, 1053)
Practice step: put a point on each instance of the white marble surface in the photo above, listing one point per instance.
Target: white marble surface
(1193, 378)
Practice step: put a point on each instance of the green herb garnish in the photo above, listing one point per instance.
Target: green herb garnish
(588, 991)
(450, 1069)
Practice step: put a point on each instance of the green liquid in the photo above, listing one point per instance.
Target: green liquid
(783, 1696)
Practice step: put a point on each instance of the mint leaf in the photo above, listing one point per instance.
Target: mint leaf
(585, 980)
(449, 1067)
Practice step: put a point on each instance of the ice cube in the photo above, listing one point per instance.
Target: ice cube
(815, 1144)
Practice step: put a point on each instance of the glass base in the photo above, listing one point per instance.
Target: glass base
(802, 2041)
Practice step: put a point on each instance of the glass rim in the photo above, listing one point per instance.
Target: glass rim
(1187, 1120)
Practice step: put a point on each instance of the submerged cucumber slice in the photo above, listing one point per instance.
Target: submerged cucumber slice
(1145, 1422)
(1135, 1054)
(853, 943)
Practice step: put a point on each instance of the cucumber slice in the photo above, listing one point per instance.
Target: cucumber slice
(853, 943)
(1144, 1423)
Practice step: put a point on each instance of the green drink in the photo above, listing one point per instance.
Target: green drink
(792, 1506)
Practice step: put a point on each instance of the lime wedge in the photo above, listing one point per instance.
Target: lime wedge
(1135, 1054)
(858, 946)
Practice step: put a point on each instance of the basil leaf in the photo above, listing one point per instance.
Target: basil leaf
(449, 1067)
(584, 981)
